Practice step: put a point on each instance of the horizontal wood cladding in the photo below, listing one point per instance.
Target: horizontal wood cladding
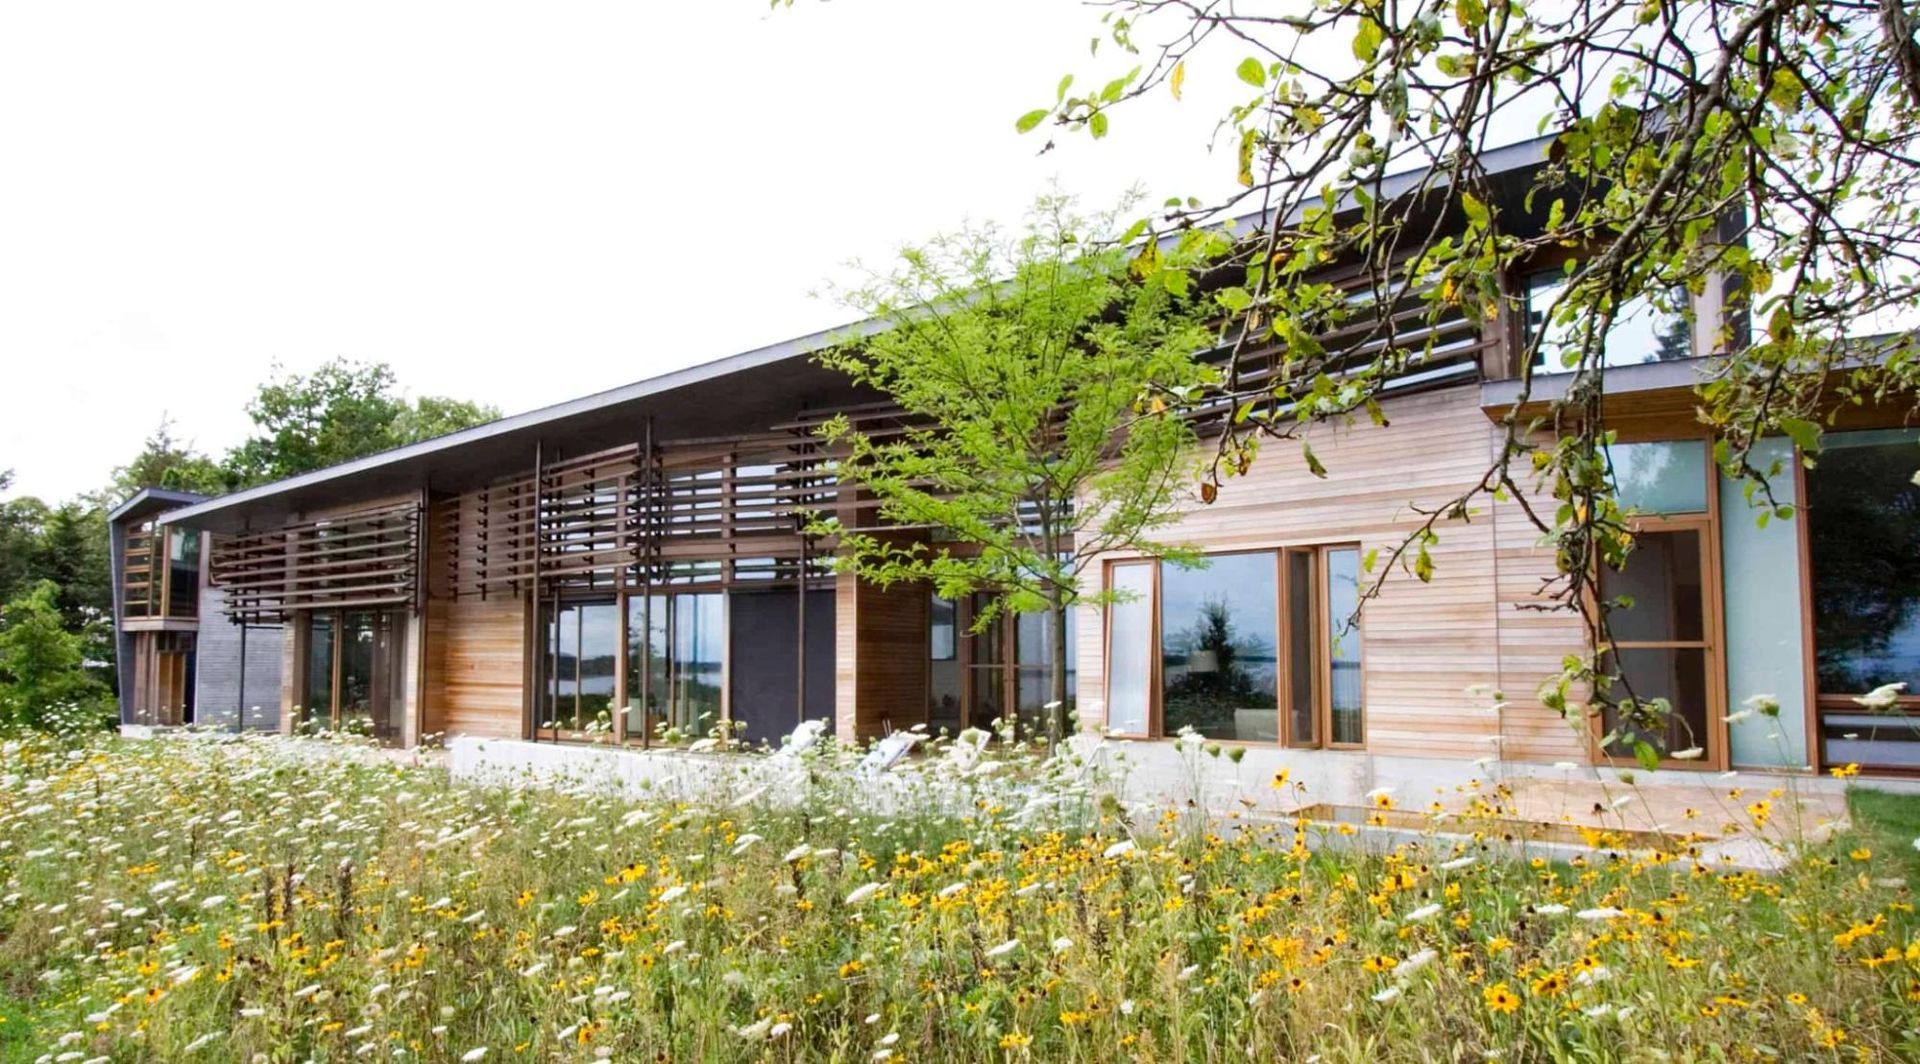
(140, 574)
(1425, 644)
(365, 559)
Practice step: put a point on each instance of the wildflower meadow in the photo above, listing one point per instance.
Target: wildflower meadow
(269, 900)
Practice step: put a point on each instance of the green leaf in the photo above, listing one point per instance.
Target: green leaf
(1178, 78)
(1471, 13)
(1060, 94)
(1031, 119)
(1477, 212)
(1313, 461)
(1367, 39)
(1804, 434)
(1097, 124)
(1235, 298)
(1253, 72)
(1648, 757)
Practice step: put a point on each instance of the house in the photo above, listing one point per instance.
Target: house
(629, 567)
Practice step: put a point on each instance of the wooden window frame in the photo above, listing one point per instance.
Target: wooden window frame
(1707, 525)
(1283, 633)
(303, 653)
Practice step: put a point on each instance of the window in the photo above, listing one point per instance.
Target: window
(1645, 329)
(582, 645)
(353, 671)
(676, 663)
(1863, 537)
(973, 676)
(1219, 641)
(183, 572)
(1662, 621)
(1261, 646)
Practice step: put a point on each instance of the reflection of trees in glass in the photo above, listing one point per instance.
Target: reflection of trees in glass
(1864, 514)
(1215, 680)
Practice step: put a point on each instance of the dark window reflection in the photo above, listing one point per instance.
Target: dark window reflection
(1219, 636)
(1863, 523)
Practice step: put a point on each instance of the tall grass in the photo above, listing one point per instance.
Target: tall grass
(233, 901)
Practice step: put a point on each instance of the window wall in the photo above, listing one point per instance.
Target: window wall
(975, 672)
(1258, 646)
(1863, 539)
(353, 671)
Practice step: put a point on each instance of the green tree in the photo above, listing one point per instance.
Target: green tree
(341, 411)
(1031, 373)
(42, 664)
(165, 462)
(21, 523)
(1759, 154)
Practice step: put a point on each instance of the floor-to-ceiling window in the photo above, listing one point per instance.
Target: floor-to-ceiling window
(353, 671)
(1863, 538)
(676, 663)
(1662, 618)
(582, 649)
(975, 671)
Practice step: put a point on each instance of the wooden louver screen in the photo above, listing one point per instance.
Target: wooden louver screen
(362, 560)
(723, 513)
(140, 574)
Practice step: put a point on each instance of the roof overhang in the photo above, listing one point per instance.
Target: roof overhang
(153, 500)
(741, 393)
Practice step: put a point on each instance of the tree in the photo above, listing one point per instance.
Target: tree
(42, 664)
(1026, 370)
(341, 411)
(1762, 148)
(164, 462)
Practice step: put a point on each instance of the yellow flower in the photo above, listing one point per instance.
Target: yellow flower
(1281, 777)
(1861, 854)
(1550, 984)
(1796, 998)
(1500, 998)
(1846, 771)
(1381, 963)
(1015, 1040)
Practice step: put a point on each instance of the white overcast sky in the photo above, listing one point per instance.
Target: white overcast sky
(513, 203)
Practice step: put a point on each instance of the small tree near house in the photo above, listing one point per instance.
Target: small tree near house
(1033, 374)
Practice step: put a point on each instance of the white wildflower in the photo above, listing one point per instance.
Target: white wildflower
(1414, 963)
(1881, 698)
(1425, 912)
(1387, 995)
(1003, 948)
(473, 1055)
(1457, 863)
(1119, 849)
(1062, 944)
(864, 893)
(1607, 912)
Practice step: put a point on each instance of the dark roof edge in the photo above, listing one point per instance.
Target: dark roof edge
(140, 498)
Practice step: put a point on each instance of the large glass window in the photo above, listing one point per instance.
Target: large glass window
(583, 645)
(1645, 329)
(1262, 646)
(183, 572)
(1863, 531)
(676, 663)
(946, 689)
(354, 672)
(1219, 630)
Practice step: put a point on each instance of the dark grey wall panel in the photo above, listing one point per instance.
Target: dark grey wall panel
(762, 629)
(217, 698)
